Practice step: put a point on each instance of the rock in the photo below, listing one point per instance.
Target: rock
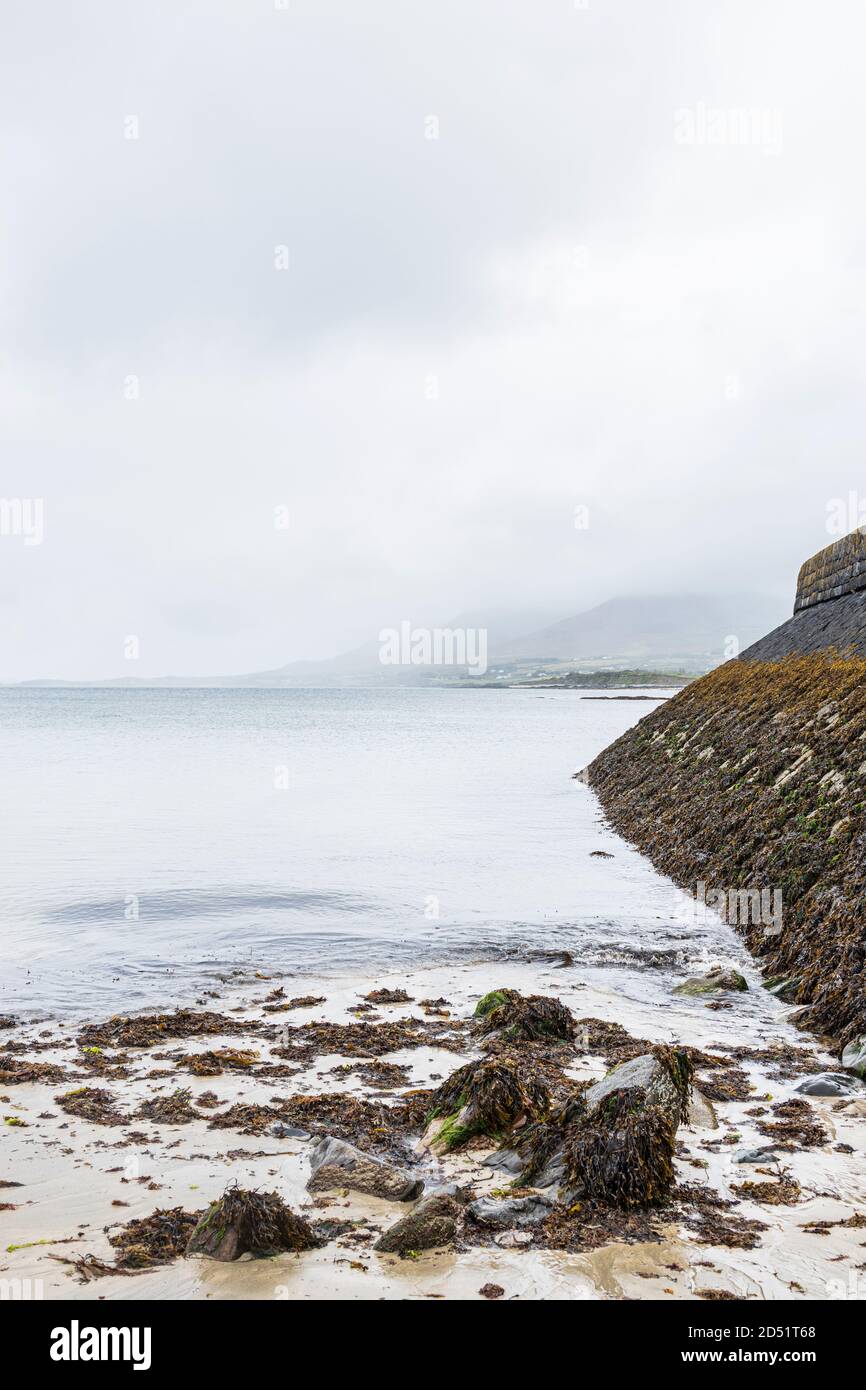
(767, 1155)
(491, 1291)
(715, 979)
(854, 1057)
(432, 1223)
(524, 1018)
(649, 1075)
(509, 1240)
(335, 1163)
(829, 1083)
(505, 1161)
(702, 1113)
(504, 1213)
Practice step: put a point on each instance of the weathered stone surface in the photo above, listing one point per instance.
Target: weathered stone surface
(508, 1213)
(433, 1222)
(837, 570)
(648, 1075)
(335, 1163)
(829, 1083)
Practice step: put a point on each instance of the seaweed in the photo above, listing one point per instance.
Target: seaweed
(90, 1103)
(146, 1030)
(249, 1222)
(623, 1155)
(486, 1097)
(157, 1239)
(531, 1018)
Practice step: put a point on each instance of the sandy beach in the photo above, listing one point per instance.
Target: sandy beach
(81, 1181)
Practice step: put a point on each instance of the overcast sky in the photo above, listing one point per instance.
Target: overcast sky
(598, 287)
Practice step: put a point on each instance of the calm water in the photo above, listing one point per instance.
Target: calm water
(154, 838)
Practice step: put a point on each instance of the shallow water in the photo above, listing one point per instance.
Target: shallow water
(152, 838)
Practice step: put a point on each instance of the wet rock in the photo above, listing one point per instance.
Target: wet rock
(715, 979)
(767, 1155)
(784, 987)
(854, 1057)
(256, 1223)
(702, 1113)
(432, 1223)
(505, 1161)
(336, 1164)
(650, 1074)
(506, 1213)
(282, 1131)
(829, 1083)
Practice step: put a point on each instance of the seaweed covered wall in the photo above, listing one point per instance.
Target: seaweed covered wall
(751, 780)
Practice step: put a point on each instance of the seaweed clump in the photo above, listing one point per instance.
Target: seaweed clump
(154, 1240)
(624, 1155)
(148, 1029)
(525, 1018)
(487, 1097)
(244, 1222)
(90, 1103)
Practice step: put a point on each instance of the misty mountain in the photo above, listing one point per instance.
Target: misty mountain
(692, 628)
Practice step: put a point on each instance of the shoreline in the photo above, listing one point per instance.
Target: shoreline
(74, 1172)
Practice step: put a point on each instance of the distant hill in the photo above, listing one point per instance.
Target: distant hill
(690, 629)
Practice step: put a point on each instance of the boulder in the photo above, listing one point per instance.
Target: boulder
(829, 1083)
(647, 1073)
(715, 980)
(335, 1164)
(854, 1057)
(431, 1223)
(616, 1140)
(508, 1213)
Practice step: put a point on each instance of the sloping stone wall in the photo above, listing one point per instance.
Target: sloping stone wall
(836, 570)
(830, 607)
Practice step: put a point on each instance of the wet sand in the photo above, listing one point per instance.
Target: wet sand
(72, 1170)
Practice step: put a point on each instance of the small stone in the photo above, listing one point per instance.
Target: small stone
(432, 1223)
(512, 1240)
(492, 1291)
